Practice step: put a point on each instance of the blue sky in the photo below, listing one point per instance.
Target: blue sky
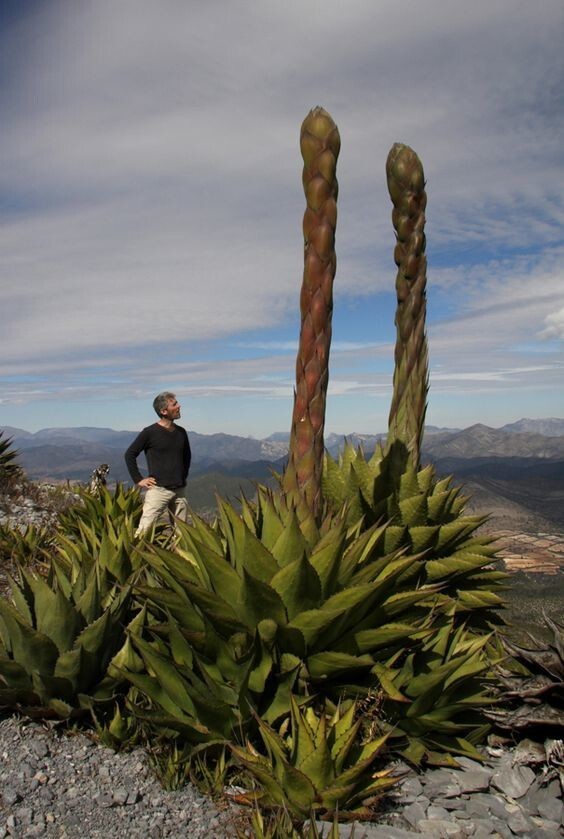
(151, 206)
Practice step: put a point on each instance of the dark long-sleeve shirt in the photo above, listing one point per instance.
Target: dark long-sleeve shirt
(168, 455)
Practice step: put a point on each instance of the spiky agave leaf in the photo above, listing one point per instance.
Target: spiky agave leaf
(314, 764)
(320, 144)
(57, 637)
(406, 185)
(9, 468)
(425, 516)
(26, 547)
(117, 511)
(435, 694)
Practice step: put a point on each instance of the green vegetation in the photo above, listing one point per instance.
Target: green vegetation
(9, 469)
(301, 637)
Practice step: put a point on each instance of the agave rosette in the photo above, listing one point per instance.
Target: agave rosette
(57, 638)
(315, 765)
(251, 612)
(425, 516)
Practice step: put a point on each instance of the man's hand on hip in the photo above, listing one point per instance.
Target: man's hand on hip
(147, 483)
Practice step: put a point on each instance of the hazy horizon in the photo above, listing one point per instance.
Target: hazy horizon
(327, 433)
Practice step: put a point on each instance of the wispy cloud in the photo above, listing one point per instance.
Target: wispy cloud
(151, 198)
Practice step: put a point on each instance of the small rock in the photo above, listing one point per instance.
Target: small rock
(551, 808)
(477, 808)
(39, 748)
(441, 829)
(520, 824)
(120, 796)
(437, 813)
(474, 780)
(133, 796)
(513, 781)
(10, 797)
(25, 815)
(413, 814)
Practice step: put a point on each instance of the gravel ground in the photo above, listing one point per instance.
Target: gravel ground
(55, 785)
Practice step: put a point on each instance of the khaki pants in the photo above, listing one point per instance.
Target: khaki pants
(159, 499)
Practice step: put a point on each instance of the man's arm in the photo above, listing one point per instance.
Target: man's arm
(187, 455)
(133, 453)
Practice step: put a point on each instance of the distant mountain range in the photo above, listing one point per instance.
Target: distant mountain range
(517, 470)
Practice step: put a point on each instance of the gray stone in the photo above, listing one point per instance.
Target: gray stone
(551, 809)
(120, 796)
(481, 827)
(439, 813)
(386, 832)
(441, 829)
(502, 828)
(449, 803)
(520, 824)
(513, 781)
(436, 777)
(10, 797)
(34, 830)
(474, 780)
(547, 830)
(25, 815)
(410, 789)
(414, 813)
(477, 808)
(488, 802)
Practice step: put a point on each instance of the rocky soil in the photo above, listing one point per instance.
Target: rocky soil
(62, 785)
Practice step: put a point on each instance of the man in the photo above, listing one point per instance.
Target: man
(167, 450)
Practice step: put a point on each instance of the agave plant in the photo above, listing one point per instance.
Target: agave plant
(9, 468)
(57, 638)
(60, 632)
(27, 546)
(315, 765)
(251, 612)
(320, 144)
(426, 517)
(435, 694)
(93, 515)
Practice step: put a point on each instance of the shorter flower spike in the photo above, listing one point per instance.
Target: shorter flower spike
(406, 185)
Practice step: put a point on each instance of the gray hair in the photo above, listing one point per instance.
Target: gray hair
(161, 401)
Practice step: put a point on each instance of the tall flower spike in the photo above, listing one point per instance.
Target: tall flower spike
(319, 144)
(406, 185)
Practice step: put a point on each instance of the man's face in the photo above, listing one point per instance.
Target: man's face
(172, 410)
